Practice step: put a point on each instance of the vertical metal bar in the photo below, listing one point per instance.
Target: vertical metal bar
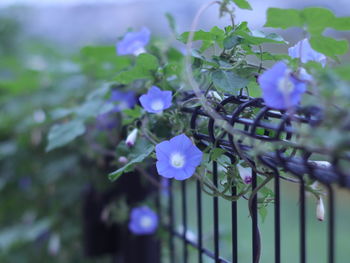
(255, 220)
(184, 220)
(160, 217)
(331, 231)
(171, 223)
(234, 228)
(216, 214)
(277, 221)
(199, 222)
(302, 223)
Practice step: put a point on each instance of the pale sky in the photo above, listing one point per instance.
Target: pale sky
(63, 2)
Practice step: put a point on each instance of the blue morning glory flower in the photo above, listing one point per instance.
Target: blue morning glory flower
(156, 100)
(304, 51)
(143, 221)
(106, 121)
(280, 89)
(177, 158)
(134, 43)
(123, 100)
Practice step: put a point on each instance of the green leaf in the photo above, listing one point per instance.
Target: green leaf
(263, 213)
(93, 108)
(243, 4)
(259, 37)
(231, 41)
(132, 115)
(254, 89)
(145, 67)
(316, 19)
(102, 61)
(268, 56)
(343, 71)
(171, 22)
(60, 113)
(209, 39)
(341, 23)
(216, 153)
(329, 46)
(228, 81)
(61, 134)
(22, 232)
(139, 152)
(283, 18)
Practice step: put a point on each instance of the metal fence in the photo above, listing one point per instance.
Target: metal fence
(267, 125)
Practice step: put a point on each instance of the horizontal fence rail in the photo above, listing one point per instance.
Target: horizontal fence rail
(264, 125)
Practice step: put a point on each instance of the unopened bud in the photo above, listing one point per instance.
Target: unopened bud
(320, 209)
(130, 140)
(123, 160)
(54, 244)
(213, 94)
(245, 174)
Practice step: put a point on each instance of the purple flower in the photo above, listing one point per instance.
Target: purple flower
(123, 99)
(25, 183)
(280, 89)
(143, 221)
(106, 121)
(304, 51)
(177, 158)
(134, 43)
(156, 100)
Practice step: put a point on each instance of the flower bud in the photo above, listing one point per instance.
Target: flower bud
(54, 244)
(213, 94)
(320, 209)
(123, 160)
(130, 140)
(245, 174)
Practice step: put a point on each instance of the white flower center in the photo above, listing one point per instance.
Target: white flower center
(177, 160)
(157, 105)
(139, 51)
(145, 221)
(285, 85)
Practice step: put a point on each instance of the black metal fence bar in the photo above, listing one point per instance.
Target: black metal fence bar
(255, 230)
(266, 125)
(331, 230)
(199, 221)
(216, 214)
(234, 228)
(184, 220)
(302, 223)
(277, 220)
(171, 223)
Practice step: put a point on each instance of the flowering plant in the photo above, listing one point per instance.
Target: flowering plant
(308, 81)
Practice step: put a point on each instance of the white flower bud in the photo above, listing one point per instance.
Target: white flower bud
(321, 164)
(123, 160)
(245, 174)
(130, 140)
(213, 94)
(320, 209)
(54, 244)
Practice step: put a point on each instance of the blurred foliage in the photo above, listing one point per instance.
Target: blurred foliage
(40, 212)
